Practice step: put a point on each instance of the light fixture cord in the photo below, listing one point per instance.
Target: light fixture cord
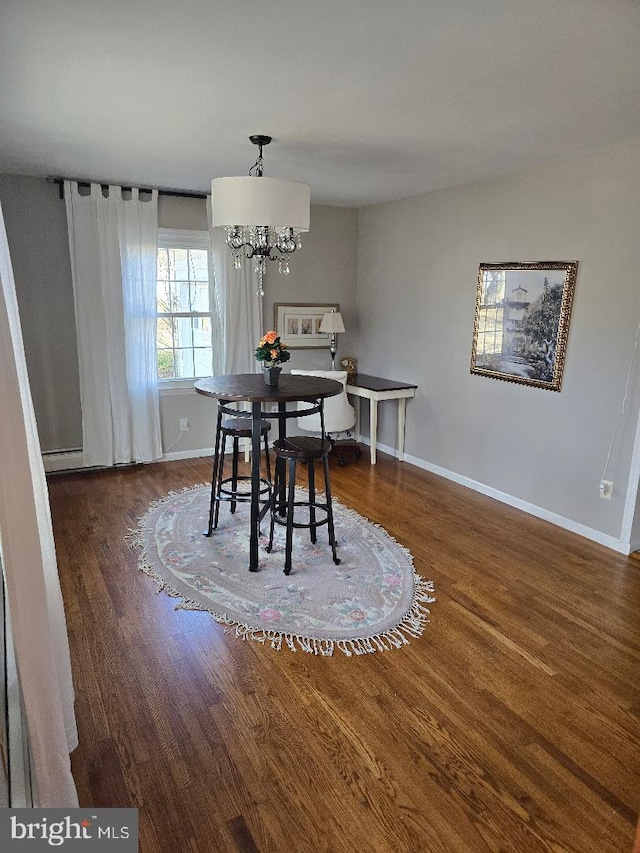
(257, 166)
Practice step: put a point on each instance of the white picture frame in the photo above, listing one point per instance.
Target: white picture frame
(298, 324)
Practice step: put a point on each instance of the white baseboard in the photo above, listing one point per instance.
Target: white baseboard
(537, 511)
(67, 460)
(630, 547)
(187, 454)
(63, 460)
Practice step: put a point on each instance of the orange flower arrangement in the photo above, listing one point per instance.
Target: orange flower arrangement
(271, 350)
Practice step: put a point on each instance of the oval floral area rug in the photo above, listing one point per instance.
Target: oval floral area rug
(372, 601)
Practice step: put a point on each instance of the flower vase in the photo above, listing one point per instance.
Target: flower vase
(271, 375)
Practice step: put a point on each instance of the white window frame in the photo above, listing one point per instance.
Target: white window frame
(179, 238)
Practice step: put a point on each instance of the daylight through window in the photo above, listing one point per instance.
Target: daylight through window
(184, 328)
(491, 312)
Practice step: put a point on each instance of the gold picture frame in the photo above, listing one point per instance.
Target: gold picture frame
(298, 324)
(521, 322)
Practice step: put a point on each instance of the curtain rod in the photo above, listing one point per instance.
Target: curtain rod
(161, 190)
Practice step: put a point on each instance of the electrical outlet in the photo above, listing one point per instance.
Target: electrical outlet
(184, 424)
(606, 490)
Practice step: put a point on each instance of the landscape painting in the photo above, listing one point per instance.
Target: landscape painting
(522, 321)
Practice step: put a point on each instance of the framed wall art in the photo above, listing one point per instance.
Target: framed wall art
(522, 321)
(298, 324)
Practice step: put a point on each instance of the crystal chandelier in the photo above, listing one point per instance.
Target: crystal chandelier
(262, 217)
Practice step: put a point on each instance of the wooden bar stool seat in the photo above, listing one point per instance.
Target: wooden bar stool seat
(290, 451)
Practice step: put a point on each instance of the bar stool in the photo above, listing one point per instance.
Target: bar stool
(226, 488)
(307, 449)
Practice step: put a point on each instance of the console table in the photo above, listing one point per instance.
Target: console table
(374, 389)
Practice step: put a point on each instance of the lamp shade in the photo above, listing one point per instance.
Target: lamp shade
(332, 322)
(255, 201)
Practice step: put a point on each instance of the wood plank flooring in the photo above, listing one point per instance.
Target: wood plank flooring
(511, 725)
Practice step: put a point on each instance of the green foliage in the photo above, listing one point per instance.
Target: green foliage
(540, 321)
(540, 325)
(165, 364)
(271, 350)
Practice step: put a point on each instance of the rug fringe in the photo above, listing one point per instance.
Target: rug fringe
(412, 624)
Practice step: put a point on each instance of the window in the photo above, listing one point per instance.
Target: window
(184, 325)
(491, 312)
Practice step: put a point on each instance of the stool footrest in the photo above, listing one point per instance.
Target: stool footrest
(229, 494)
(304, 525)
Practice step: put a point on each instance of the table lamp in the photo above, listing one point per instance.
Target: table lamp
(332, 323)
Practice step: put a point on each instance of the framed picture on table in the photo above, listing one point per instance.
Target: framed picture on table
(298, 324)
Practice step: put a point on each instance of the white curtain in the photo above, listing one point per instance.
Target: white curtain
(238, 306)
(29, 563)
(114, 244)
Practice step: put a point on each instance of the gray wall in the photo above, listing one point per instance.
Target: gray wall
(37, 232)
(415, 264)
(324, 271)
(417, 272)
(187, 213)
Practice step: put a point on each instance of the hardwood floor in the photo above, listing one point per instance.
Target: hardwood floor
(511, 725)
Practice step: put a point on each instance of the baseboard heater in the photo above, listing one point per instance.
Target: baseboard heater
(62, 460)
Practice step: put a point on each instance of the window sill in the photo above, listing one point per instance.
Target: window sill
(171, 387)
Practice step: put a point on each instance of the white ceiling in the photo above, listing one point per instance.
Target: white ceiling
(367, 100)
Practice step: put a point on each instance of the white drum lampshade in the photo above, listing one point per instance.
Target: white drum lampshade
(251, 201)
(263, 217)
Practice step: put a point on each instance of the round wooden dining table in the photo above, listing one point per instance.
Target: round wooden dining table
(251, 388)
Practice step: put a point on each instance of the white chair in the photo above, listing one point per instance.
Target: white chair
(339, 415)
